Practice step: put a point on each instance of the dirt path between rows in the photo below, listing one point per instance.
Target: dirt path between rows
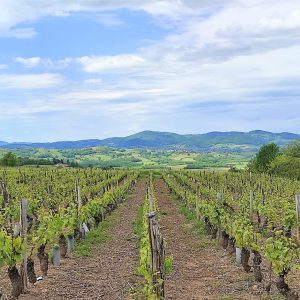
(109, 272)
(201, 268)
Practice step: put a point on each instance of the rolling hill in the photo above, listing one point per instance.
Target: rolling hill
(213, 141)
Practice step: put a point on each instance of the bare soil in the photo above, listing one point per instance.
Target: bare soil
(201, 268)
(108, 273)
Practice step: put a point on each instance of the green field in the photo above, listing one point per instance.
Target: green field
(139, 158)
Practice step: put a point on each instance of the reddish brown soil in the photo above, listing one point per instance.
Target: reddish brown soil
(109, 273)
(201, 268)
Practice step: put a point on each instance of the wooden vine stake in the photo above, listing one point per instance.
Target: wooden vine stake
(23, 233)
(251, 207)
(197, 204)
(79, 204)
(150, 199)
(219, 197)
(157, 256)
(298, 217)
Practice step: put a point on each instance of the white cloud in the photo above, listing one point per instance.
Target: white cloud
(30, 81)
(89, 64)
(18, 12)
(289, 21)
(234, 61)
(92, 102)
(32, 62)
(97, 64)
(29, 62)
(93, 81)
(204, 58)
(85, 96)
(208, 31)
(233, 14)
(242, 28)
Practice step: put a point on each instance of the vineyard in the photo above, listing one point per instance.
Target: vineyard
(129, 234)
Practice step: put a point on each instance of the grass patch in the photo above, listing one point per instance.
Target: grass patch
(140, 289)
(95, 236)
(138, 222)
(198, 225)
(185, 211)
(169, 260)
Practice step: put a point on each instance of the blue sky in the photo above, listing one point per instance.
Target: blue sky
(93, 69)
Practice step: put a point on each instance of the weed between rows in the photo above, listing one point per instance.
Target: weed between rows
(198, 225)
(98, 235)
(95, 236)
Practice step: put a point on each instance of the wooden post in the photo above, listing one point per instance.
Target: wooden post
(23, 232)
(197, 204)
(219, 234)
(298, 217)
(151, 238)
(4, 194)
(150, 199)
(262, 196)
(79, 204)
(251, 206)
(157, 256)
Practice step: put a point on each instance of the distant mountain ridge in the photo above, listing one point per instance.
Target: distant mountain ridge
(212, 141)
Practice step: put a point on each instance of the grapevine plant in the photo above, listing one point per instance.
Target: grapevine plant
(281, 251)
(249, 227)
(53, 213)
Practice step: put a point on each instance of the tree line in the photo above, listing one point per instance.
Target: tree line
(10, 159)
(283, 162)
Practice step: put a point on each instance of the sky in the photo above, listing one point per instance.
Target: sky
(80, 69)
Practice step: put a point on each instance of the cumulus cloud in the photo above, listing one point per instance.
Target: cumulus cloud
(29, 62)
